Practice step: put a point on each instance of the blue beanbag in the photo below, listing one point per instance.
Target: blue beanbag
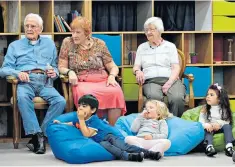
(68, 144)
(184, 135)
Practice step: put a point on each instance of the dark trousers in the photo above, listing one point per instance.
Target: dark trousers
(226, 129)
(118, 148)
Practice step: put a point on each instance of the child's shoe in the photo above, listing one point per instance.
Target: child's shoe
(136, 157)
(153, 155)
(229, 151)
(210, 151)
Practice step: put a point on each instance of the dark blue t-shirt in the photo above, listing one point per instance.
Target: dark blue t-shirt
(101, 127)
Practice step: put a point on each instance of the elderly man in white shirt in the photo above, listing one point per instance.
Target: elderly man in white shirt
(157, 68)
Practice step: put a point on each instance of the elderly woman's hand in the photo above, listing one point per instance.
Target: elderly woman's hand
(140, 77)
(111, 81)
(166, 86)
(73, 78)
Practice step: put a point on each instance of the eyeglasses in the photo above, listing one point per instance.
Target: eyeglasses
(146, 30)
(33, 27)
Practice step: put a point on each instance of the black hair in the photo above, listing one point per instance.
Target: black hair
(223, 102)
(89, 100)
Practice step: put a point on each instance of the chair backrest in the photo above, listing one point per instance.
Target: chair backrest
(182, 62)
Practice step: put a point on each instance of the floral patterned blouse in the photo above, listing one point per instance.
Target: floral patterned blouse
(79, 60)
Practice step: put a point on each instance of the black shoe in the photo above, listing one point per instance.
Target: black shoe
(32, 144)
(136, 157)
(41, 146)
(153, 155)
(233, 156)
(229, 151)
(210, 151)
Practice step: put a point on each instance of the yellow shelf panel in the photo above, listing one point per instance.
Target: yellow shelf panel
(62, 33)
(6, 34)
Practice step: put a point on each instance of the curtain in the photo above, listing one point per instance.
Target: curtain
(114, 16)
(1, 20)
(176, 15)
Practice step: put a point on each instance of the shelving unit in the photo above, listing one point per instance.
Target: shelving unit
(207, 39)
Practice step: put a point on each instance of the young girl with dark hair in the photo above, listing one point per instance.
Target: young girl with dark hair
(216, 117)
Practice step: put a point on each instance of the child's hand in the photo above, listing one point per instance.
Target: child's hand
(81, 114)
(56, 122)
(215, 126)
(148, 137)
(145, 114)
(208, 127)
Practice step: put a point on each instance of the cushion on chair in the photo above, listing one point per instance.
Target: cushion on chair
(184, 135)
(35, 100)
(218, 139)
(68, 144)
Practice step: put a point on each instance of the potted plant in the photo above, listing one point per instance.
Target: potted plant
(193, 57)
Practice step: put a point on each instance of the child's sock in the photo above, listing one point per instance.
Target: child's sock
(229, 145)
(209, 146)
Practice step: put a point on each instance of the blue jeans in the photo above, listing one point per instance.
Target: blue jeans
(228, 135)
(118, 148)
(26, 91)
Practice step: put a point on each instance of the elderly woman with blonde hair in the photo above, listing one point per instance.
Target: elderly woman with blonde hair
(91, 69)
(157, 68)
(151, 128)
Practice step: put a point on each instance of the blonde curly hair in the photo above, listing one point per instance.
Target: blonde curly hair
(161, 109)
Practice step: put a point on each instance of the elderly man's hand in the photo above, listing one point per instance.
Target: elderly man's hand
(51, 73)
(23, 76)
(140, 77)
(73, 79)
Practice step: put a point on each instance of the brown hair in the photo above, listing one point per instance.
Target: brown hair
(81, 22)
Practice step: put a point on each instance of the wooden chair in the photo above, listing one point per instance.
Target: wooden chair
(39, 104)
(189, 98)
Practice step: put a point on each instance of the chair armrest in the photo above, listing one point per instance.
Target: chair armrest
(119, 78)
(12, 79)
(140, 98)
(190, 77)
(64, 78)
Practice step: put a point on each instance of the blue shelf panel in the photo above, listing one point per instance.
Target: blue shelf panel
(114, 44)
(202, 80)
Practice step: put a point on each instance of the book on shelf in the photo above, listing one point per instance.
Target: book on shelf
(57, 24)
(65, 23)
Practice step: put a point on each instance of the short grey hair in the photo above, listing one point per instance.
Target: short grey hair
(157, 22)
(37, 17)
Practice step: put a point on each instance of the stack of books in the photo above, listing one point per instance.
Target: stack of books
(61, 25)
